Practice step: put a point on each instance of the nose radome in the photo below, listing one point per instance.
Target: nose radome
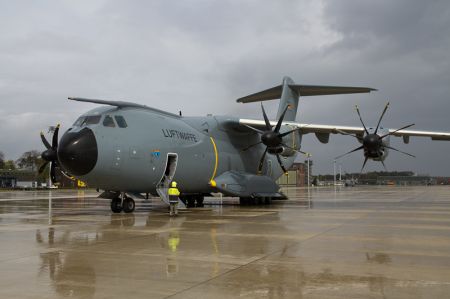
(78, 152)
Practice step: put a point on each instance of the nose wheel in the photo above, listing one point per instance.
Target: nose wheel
(128, 205)
(123, 203)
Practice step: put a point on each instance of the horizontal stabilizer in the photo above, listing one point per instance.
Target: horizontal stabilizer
(304, 90)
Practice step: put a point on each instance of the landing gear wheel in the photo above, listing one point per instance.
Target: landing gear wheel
(116, 205)
(199, 202)
(128, 205)
(244, 201)
(190, 202)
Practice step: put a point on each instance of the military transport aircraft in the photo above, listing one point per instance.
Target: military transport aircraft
(127, 149)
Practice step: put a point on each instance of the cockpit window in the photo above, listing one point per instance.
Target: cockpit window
(78, 122)
(121, 121)
(87, 120)
(109, 122)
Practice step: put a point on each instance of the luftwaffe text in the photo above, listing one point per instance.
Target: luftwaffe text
(180, 135)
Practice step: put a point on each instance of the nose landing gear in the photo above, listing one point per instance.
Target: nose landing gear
(122, 203)
(128, 205)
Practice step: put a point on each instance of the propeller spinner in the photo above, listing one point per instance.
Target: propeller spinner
(272, 139)
(372, 143)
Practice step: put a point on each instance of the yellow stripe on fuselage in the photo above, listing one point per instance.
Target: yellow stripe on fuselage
(216, 162)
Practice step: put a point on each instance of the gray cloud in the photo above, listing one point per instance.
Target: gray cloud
(199, 56)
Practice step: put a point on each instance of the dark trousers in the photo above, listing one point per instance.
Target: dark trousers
(173, 199)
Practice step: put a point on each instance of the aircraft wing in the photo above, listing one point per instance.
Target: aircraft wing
(322, 131)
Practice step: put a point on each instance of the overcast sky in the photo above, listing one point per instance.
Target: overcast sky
(199, 56)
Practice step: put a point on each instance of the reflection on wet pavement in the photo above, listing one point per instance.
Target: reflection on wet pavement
(362, 242)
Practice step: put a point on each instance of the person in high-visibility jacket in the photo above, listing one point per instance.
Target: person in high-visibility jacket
(173, 198)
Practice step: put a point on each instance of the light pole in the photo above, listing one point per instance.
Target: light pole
(51, 129)
(334, 172)
(308, 155)
(340, 172)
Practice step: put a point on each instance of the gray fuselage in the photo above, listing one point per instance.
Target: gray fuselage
(134, 158)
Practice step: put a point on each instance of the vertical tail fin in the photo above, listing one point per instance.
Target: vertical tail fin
(289, 98)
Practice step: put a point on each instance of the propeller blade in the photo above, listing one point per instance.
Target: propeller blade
(261, 161)
(297, 150)
(289, 132)
(250, 146)
(55, 137)
(356, 149)
(397, 130)
(52, 172)
(42, 168)
(390, 147)
(281, 164)
(44, 141)
(360, 118)
(349, 134)
(266, 119)
(278, 126)
(381, 117)
(364, 164)
(382, 162)
(254, 129)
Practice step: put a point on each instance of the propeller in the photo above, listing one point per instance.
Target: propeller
(50, 154)
(272, 139)
(372, 143)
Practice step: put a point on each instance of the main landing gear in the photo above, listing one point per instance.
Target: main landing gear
(250, 201)
(192, 200)
(122, 203)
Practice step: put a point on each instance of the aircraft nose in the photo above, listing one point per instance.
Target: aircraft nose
(78, 152)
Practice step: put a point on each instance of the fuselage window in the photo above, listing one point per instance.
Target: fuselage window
(121, 121)
(87, 120)
(108, 122)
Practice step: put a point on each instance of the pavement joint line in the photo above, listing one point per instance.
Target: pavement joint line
(270, 253)
(289, 246)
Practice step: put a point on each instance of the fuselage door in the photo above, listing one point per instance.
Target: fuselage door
(167, 177)
(169, 170)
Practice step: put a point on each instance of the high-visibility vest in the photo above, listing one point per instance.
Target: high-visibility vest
(173, 191)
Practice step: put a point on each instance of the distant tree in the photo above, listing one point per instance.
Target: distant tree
(2, 160)
(9, 165)
(30, 160)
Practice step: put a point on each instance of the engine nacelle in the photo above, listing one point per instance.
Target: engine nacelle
(292, 142)
(283, 151)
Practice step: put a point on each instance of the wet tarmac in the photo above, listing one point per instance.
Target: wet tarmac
(362, 242)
